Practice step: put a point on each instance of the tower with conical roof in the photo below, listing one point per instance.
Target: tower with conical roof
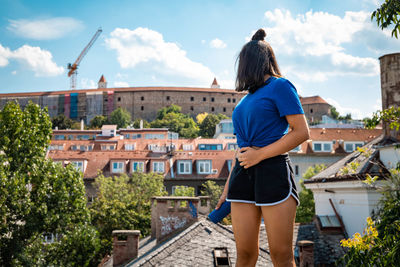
(102, 82)
(215, 84)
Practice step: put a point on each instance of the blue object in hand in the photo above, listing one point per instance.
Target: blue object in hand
(217, 215)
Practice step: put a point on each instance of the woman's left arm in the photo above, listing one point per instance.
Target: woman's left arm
(299, 133)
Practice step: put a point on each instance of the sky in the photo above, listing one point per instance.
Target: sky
(325, 48)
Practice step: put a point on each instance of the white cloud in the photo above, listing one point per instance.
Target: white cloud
(45, 29)
(355, 113)
(14, 72)
(148, 48)
(88, 84)
(38, 60)
(203, 41)
(217, 43)
(316, 42)
(121, 84)
(227, 84)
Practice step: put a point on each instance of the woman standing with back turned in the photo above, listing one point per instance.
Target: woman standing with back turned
(261, 182)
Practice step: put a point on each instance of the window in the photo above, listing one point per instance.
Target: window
(59, 137)
(70, 137)
(311, 110)
(192, 98)
(56, 147)
(119, 99)
(296, 170)
(322, 146)
(82, 137)
(352, 146)
(191, 108)
(212, 99)
(204, 166)
(234, 100)
(229, 163)
(138, 166)
(142, 98)
(210, 147)
(74, 147)
(129, 146)
(78, 165)
(117, 167)
(204, 99)
(212, 109)
(229, 100)
(154, 136)
(184, 166)
(296, 149)
(158, 166)
(127, 136)
(187, 147)
(136, 136)
(142, 108)
(107, 147)
(224, 109)
(232, 146)
(168, 98)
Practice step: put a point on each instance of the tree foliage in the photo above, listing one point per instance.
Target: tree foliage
(334, 113)
(214, 191)
(62, 122)
(388, 14)
(121, 117)
(306, 210)
(200, 117)
(170, 117)
(390, 116)
(97, 122)
(207, 126)
(136, 123)
(124, 202)
(184, 191)
(37, 196)
(379, 245)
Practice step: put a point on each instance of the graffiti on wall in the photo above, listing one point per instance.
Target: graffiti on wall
(171, 223)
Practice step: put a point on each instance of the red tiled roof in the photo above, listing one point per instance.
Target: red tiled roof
(312, 100)
(214, 81)
(102, 79)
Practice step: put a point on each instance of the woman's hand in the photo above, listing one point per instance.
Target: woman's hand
(221, 200)
(248, 156)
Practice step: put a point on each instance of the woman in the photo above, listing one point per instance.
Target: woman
(261, 182)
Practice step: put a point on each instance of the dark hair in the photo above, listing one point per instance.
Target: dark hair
(256, 59)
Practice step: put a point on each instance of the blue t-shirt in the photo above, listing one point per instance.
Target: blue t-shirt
(259, 117)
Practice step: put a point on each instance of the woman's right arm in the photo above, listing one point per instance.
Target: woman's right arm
(226, 187)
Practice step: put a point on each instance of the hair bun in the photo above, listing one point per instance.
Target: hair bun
(259, 35)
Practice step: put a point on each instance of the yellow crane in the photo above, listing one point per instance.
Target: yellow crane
(73, 67)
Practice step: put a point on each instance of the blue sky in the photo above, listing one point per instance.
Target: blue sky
(326, 48)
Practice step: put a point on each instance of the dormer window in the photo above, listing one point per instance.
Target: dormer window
(322, 146)
(210, 146)
(138, 166)
(352, 146)
(187, 147)
(184, 166)
(158, 166)
(78, 165)
(117, 167)
(204, 166)
(107, 147)
(129, 146)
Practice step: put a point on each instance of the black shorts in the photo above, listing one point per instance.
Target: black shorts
(268, 183)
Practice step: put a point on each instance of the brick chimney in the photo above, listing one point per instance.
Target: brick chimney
(172, 214)
(390, 87)
(306, 251)
(125, 246)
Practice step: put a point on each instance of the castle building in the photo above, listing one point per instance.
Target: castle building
(144, 102)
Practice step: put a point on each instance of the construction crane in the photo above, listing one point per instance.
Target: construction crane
(73, 67)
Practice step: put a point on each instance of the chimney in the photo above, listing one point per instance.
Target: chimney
(390, 87)
(125, 246)
(172, 214)
(306, 251)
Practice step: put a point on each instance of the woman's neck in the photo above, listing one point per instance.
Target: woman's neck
(266, 77)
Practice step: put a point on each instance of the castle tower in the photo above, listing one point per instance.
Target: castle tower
(102, 82)
(215, 84)
(390, 86)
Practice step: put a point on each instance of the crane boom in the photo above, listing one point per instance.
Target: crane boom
(73, 67)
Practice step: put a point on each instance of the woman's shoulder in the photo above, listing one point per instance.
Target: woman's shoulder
(283, 82)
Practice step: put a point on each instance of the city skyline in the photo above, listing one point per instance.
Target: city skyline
(327, 50)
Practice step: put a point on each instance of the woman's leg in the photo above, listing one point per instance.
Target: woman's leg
(246, 220)
(279, 223)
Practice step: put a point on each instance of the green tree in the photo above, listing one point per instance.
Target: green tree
(306, 210)
(62, 122)
(184, 191)
(171, 118)
(387, 14)
(207, 126)
(214, 191)
(136, 123)
(334, 113)
(121, 117)
(200, 117)
(38, 196)
(97, 122)
(124, 202)
(379, 244)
